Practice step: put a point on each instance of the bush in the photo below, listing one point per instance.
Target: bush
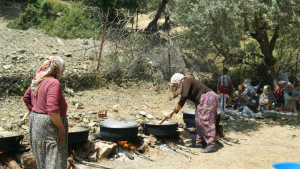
(57, 19)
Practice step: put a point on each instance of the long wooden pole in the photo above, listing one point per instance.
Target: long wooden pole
(102, 39)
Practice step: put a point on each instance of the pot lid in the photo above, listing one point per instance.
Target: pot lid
(9, 134)
(156, 122)
(119, 124)
(190, 111)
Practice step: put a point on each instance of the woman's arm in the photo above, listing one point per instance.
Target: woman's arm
(54, 94)
(61, 129)
(27, 99)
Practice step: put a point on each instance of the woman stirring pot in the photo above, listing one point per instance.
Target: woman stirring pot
(206, 103)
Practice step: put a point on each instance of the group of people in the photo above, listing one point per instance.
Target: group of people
(49, 125)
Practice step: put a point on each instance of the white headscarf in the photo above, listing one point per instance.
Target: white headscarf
(265, 89)
(176, 78)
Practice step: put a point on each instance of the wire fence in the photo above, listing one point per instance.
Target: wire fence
(128, 55)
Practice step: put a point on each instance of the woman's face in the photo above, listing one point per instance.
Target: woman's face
(240, 88)
(268, 89)
(281, 86)
(289, 88)
(174, 88)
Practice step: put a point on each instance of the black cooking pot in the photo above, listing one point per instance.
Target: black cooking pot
(189, 118)
(167, 128)
(113, 130)
(78, 134)
(10, 141)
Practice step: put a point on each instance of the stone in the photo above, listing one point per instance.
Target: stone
(185, 137)
(149, 116)
(145, 147)
(115, 108)
(92, 124)
(93, 156)
(79, 106)
(86, 148)
(25, 127)
(106, 149)
(9, 126)
(143, 113)
(27, 160)
(68, 54)
(21, 50)
(7, 67)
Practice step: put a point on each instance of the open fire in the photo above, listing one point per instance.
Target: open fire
(127, 145)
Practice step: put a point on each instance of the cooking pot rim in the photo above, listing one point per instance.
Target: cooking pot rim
(155, 123)
(190, 111)
(16, 134)
(84, 128)
(119, 124)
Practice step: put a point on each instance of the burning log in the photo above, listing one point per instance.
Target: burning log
(127, 154)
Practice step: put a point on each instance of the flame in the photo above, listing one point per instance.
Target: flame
(127, 145)
(1, 152)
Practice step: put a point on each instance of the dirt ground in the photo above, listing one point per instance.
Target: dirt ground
(262, 142)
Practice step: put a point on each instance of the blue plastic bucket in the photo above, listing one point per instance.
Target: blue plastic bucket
(286, 165)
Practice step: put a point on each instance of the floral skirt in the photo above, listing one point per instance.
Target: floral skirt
(205, 118)
(48, 153)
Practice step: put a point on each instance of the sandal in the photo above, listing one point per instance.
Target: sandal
(209, 150)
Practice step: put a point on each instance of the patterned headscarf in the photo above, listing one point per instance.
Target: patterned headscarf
(282, 82)
(176, 78)
(53, 66)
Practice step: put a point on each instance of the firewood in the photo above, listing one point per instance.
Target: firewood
(10, 162)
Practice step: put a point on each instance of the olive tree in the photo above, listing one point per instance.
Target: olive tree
(222, 24)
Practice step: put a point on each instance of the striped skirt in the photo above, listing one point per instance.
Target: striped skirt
(48, 153)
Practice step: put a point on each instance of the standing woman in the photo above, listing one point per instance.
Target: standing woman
(47, 120)
(206, 103)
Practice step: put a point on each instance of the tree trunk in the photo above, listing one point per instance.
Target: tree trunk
(266, 68)
(268, 75)
(152, 27)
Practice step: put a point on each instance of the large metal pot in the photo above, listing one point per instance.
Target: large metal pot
(189, 118)
(167, 128)
(113, 130)
(78, 134)
(10, 141)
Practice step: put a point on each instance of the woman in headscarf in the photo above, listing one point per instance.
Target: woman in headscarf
(267, 98)
(291, 97)
(279, 92)
(206, 103)
(47, 119)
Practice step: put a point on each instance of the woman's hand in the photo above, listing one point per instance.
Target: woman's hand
(61, 135)
(170, 115)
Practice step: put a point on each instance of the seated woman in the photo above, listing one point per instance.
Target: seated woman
(279, 92)
(291, 98)
(240, 97)
(267, 98)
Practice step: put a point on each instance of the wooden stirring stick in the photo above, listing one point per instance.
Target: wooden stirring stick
(163, 120)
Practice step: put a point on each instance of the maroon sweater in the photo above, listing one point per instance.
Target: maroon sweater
(192, 90)
(49, 99)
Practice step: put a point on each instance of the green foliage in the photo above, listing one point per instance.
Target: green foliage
(27, 19)
(25, 84)
(138, 39)
(74, 22)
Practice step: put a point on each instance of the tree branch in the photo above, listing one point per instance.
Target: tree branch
(274, 38)
(257, 54)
